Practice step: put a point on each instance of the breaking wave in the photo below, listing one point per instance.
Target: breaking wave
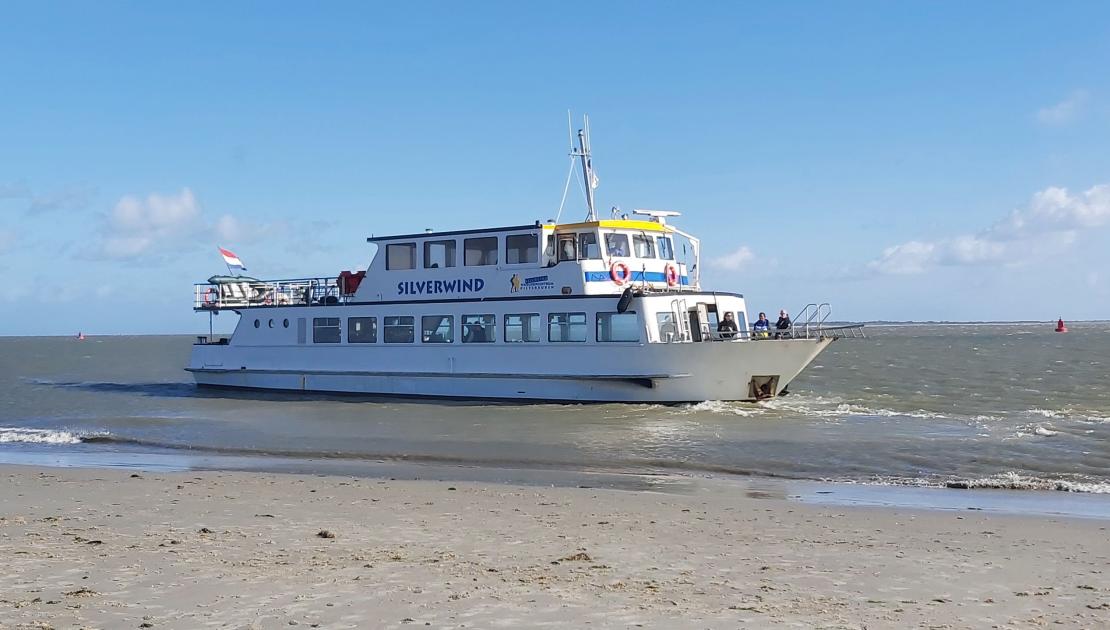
(37, 436)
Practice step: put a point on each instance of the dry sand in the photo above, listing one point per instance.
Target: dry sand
(108, 549)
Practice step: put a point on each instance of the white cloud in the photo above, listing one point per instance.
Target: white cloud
(1051, 222)
(136, 226)
(734, 261)
(1065, 111)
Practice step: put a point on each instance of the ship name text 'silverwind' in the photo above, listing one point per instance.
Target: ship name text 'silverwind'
(439, 287)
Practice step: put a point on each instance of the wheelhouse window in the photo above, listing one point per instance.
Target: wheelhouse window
(618, 327)
(521, 248)
(522, 327)
(588, 247)
(437, 328)
(643, 246)
(666, 247)
(480, 251)
(566, 327)
(397, 329)
(479, 329)
(325, 330)
(400, 256)
(616, 244)
(362, 330)
(438, 254)
(568, 248)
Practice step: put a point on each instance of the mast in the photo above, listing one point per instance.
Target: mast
(588, 176)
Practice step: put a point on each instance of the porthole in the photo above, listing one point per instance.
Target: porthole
(257, 323)
(285, 323)
(271, 323)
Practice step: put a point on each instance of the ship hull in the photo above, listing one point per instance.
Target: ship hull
(642, 373)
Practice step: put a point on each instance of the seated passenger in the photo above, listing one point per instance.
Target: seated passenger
(727, 327)
(783, 325)
(762, 327)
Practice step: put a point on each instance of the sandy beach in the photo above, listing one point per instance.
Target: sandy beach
(116, 549)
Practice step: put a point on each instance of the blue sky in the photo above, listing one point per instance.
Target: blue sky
(901, 161)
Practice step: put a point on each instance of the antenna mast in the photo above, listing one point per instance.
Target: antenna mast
(590, 179)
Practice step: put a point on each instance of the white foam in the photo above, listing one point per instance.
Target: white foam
(37, 436)
(1044, 432)
(720, 406)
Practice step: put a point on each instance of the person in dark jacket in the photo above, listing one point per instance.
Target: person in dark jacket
(783, 325)
(727, 326)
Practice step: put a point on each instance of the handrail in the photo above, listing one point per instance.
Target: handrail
(214, 296)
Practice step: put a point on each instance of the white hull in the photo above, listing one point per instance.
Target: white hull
(693, 371)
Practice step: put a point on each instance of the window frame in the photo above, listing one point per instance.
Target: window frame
(568, 326)
(317, 327)
(534, 247)
(611, 236)
(389, 257)
(450, 246)
(387, 327)
(489, 331)
(659, 241)
(611, 314)
(485, 252)
(648, 242)
(428, 335)
(372, 327)
(523, 326)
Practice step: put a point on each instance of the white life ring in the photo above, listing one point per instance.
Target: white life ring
(620, 273)
(671, 274)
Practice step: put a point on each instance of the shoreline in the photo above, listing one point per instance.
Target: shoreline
(111, 548)
(994, 500)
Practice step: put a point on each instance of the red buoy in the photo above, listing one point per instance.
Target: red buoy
(1060, 327)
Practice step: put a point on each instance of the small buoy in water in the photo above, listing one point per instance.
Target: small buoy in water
(80, 336)
(1060, 327)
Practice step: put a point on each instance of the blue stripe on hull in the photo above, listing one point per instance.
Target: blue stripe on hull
(637, 276)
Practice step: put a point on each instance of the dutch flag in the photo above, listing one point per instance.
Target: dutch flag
(233, 262)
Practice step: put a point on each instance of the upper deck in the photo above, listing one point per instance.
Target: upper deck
(588, 258)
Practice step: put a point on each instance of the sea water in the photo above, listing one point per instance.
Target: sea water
(978, 406)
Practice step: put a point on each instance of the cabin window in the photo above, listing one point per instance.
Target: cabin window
(521, 248)
(398, 329)
(438, 254)
(616, 244)
(566, 327)
(618, 327)
(522, 327)
(668, 329)
(588, 247)
(666, 247)
(400, 256)
(480, 251)
(437, 328)
(325, 330)
(362, 330)
(479, 328)
(742, 323)
(568, 248)
(643, 246)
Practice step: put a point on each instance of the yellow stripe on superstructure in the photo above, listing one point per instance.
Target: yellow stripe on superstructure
(618, 224)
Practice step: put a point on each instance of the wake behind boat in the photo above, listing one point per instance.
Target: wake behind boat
(597, 311)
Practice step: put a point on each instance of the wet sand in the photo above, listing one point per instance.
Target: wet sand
(109, 549)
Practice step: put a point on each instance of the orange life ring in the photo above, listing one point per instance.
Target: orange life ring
(671, 274)
(210, 296)
(620, 273)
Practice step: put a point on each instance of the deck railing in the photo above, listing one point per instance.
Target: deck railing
(246, 292)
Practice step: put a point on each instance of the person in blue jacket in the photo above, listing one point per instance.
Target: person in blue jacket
(762, 327)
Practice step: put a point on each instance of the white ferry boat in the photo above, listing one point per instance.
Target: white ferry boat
(597, 311)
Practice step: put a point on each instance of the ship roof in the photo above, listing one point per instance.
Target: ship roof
(626, 224)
